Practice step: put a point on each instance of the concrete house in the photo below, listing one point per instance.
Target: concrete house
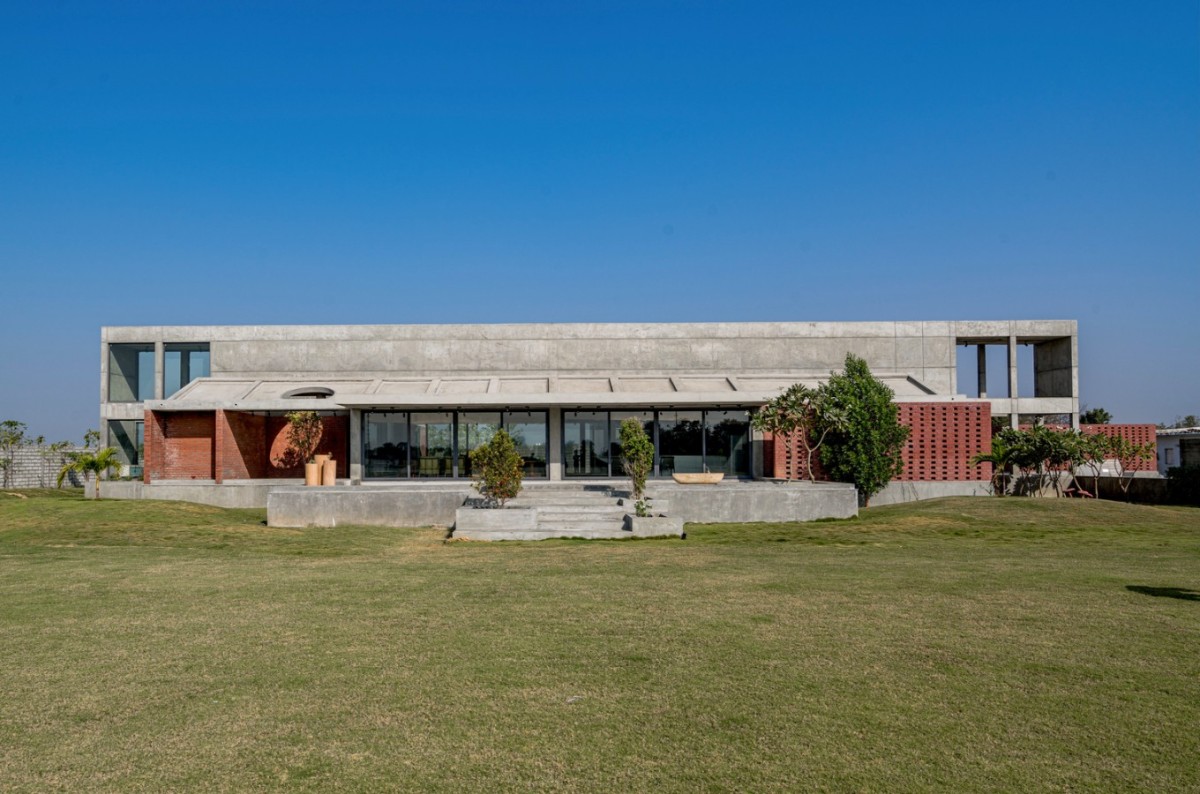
(198, 411)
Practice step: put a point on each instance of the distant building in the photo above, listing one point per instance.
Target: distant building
(1178, 447)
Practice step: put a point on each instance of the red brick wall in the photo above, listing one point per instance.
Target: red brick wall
(241, 446)
(180, 445)
(231, 445)
(945, 436)
(1135, 434)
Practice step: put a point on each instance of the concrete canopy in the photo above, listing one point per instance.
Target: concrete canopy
(525, 391)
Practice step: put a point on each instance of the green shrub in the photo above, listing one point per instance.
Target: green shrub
(864, 443)
(637, 456)
(499, 469)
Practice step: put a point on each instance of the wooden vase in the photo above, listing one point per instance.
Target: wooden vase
(329, 472)
(312, 474)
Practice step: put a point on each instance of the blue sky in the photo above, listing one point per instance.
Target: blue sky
(178, 163)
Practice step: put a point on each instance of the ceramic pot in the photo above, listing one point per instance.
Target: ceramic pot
(329, 472)
(312, 474)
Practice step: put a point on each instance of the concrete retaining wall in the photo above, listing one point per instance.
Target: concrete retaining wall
(357, 505)
(733, 502)
(898, 491)
(38, 468)
(244, 493)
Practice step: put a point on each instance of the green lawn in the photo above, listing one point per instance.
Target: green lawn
(956, 645)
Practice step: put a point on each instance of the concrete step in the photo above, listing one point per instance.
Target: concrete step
(580, 526)
(561, 499)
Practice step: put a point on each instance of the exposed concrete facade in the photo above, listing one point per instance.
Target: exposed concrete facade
(257, 370)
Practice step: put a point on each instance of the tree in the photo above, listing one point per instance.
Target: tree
(89, 462)
(499, 469)
(1095, 416)
(637, 457)
(800, 415)
(12, 437)
(1129, 455)
(304, 433)
(1095, 449)
(865, 436)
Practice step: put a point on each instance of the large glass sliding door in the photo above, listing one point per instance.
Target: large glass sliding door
(431, 438)
(614, 436)
(684, 441)
(398, 444)
(474, 430)
(727, 442)
(385, 444)
(585, 443)
(680, 442)
(529, 433)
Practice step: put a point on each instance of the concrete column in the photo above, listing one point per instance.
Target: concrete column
(554, 453)
(356, 466)
(1014, 418)
(220, 428)
(159, 359)
(103, 426)
(981, 363)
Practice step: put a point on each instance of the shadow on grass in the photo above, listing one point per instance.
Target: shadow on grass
(1181, 593)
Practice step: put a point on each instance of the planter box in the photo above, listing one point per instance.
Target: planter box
(699, 478)
(654, 526)
(656, 506)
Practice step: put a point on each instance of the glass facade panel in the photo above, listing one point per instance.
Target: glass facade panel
(474, 429)
(127, 436)
(182, 364)
(680, 442)
(727, 442)
(431, 443)
(130, 373)
(529, 433)
(614, 435)
(385, 444)
(585, 444)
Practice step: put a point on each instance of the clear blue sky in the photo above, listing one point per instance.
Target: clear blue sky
(165, 163)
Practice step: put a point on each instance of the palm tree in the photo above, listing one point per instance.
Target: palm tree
(90, 462)
(1001, 457)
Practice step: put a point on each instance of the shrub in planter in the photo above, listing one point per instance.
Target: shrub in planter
(499, 469)
(637, 456)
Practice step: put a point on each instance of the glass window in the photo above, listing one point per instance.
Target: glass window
(474, 430)
(431, 441)
(182, 364)
(727, 442)
(528, 431)
(680, 441)
(130, 373)
(385, 444)
(585, 444)
(127, 436)
(614, 436)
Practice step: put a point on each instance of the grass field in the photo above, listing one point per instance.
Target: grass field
(956, 645)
